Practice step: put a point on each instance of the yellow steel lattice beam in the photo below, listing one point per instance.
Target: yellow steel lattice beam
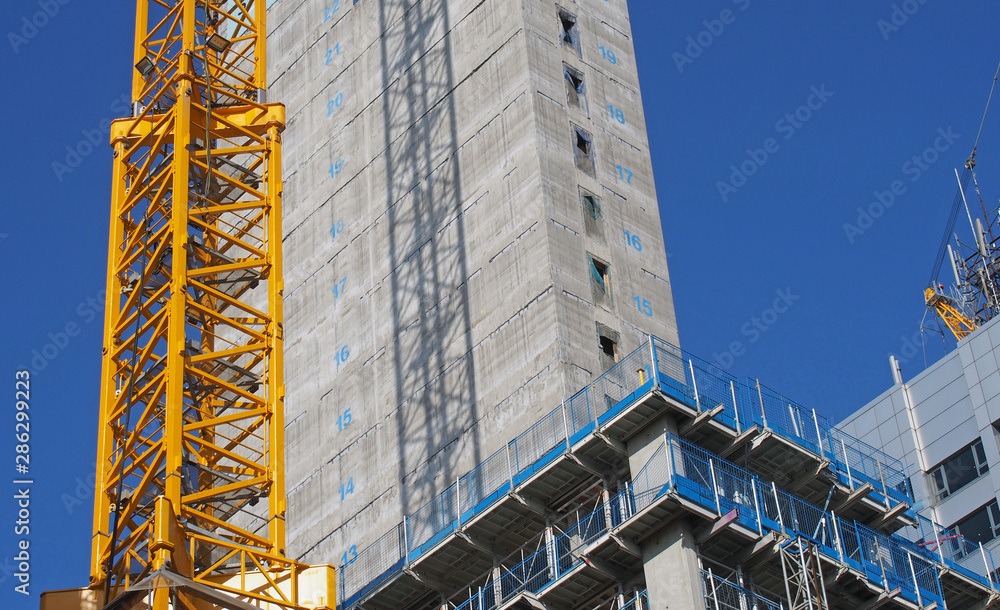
(958, 323)
(190, 456)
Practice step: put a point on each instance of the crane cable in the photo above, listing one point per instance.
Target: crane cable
(983, 122)
(970, 164)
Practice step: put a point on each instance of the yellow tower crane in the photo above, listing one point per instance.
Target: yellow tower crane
(190, 499)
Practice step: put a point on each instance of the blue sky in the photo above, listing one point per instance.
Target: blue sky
(715, 86)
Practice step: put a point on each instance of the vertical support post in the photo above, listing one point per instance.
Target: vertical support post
(819, 437)
(793, 415)
(458, 501)
(847, 462)
(760, 394)
(654, 372)
(406, 540)
(668, 452)
(715, 487)
(986, 565)
(885, 490)
(565, 425)
(715, 594)
(916, 585)
(756, 505)
(937, 540)
(694, 384)
(777, 506)
(836, 535)
(551, 553)
(736, 408)
(510, 470)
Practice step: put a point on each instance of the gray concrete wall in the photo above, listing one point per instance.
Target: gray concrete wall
(430, 177)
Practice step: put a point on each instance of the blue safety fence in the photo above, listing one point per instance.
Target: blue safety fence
(544, 562)
(720, 486)
(722, 594)
(655, 365)
(639, 602)
(950, 548)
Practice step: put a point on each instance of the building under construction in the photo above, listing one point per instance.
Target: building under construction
(487, 407)
(459, 329)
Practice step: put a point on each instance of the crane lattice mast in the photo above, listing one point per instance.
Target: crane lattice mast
(190, 499)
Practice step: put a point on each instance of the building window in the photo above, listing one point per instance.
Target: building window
(608, 341)
(583, 150)
(593, 214)
(576, 90)
(959, 470)
(568, 31)
(600, 281)
(982, 525)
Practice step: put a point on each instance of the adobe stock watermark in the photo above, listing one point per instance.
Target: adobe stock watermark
(787, 126)
(909, 347)
(755, 328)
(914, 169)
(714, 28)
(32, 24)
(90, 309)
(83, 493)
(91, 140)
(898, 17)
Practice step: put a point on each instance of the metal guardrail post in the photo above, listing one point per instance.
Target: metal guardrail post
(654, 365)
(885, 490)
(937, 539)
(736, 408)
(565, 424)
(715, 487)
(795, 421)
(916, 584)
(986, 565)
(777, 507)
(510, 470)
(819, 437)
(756, 506)
(763, 414)
(694, 383)
(847, 462)
(671, 469)
(715, 594)
(836, 535)
(406, 539)
(458, 501)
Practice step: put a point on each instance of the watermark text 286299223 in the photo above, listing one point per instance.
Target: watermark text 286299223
(22, 484)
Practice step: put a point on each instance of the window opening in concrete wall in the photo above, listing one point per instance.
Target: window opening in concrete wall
(593, 214)
(608, 341)
(576, 90)
(583, 149)
(569, 32)
(981, 526)
(960, 469)
(600, 281)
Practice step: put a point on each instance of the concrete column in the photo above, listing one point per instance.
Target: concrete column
(670, 558)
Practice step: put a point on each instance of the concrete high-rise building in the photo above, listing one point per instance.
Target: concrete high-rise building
(472, 234)
(485, 404)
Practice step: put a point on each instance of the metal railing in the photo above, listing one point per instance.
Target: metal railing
(373, 566)
(722, 594)
(678, 374)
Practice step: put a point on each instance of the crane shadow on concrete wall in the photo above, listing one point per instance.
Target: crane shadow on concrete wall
(435, 384)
